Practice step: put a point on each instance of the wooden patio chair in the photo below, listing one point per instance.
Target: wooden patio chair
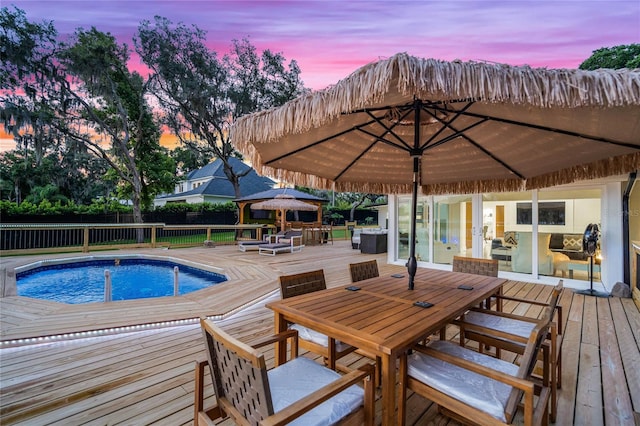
(473, 265)
(509, 332)
(364, 270)
(475, 388)
(477, 266)
(300, 389)
(303, 283)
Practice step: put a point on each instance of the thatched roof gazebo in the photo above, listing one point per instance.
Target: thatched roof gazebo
(272, 194)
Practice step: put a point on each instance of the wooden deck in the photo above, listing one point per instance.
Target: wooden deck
(146, 377)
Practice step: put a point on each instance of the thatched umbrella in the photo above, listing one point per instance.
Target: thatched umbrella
(450, 127)
(283, 202)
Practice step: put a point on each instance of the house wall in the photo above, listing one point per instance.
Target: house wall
(578, 214)
(611, 229)
(606, 210)
(383, 216)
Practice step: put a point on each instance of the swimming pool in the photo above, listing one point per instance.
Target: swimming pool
(81, 280)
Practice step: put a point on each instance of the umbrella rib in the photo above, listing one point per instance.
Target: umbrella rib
(461, 133)
(554, 130)
(355, 160)
(490, 154)
(387, 130)
(380, 138)
(445, 124)
(456, 134)
(321, 141)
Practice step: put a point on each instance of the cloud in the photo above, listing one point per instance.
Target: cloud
(330, 39)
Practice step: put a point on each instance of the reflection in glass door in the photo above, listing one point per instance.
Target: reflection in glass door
(449, 227)
(422, 228)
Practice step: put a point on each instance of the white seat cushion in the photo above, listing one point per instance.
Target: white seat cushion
(317, 338)
(300, 377)
(473, 389)
(496, 322)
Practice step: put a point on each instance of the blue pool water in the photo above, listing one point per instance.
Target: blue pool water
(83, 282)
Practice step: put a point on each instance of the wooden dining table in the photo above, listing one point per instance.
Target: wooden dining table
(380, 317)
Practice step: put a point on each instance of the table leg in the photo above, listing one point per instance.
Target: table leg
(388, 389)
(281, 346)
(402, 392)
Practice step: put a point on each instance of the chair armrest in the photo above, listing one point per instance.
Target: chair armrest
(504, 314)
(490, 331)
(275, 338)
(517, 299)
(521, 317)
(311, 401)
(522, 384)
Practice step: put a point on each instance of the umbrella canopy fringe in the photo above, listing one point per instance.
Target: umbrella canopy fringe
(599, 169)
(474, 187)
(441, 80)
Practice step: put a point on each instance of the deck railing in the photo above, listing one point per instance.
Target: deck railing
(51, 238)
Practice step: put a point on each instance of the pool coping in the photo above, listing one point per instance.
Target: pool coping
(200, 303)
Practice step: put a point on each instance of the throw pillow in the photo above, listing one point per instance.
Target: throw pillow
(572, 242)
(510, 238)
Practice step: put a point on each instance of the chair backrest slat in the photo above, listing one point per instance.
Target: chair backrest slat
(302, 283)
(239, 375)
(472, 265)
(364, 270)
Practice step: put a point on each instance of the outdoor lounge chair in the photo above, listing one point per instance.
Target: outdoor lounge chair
(300, 392)
(477, 388)
(250, 245)
(247, 245)
(291, 241)
(273, 238)
(328, 348)
(510, 332)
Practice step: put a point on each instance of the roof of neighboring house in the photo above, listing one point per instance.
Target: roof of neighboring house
(220, 186)
(271, 193)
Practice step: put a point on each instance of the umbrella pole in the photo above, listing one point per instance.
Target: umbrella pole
(416, 153)
(412, 263)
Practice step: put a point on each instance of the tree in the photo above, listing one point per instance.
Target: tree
(188, 160)
(111, 101)
(76, 177)
(360, 200)
(27, 50)
(623, 56)
(81, 94)
(202, 94)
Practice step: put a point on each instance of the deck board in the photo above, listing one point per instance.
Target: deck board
(617, 401)
(146, 377)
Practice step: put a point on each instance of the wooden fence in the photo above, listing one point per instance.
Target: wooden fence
(16, 239)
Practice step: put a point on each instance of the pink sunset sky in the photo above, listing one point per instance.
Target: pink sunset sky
(330, 39)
